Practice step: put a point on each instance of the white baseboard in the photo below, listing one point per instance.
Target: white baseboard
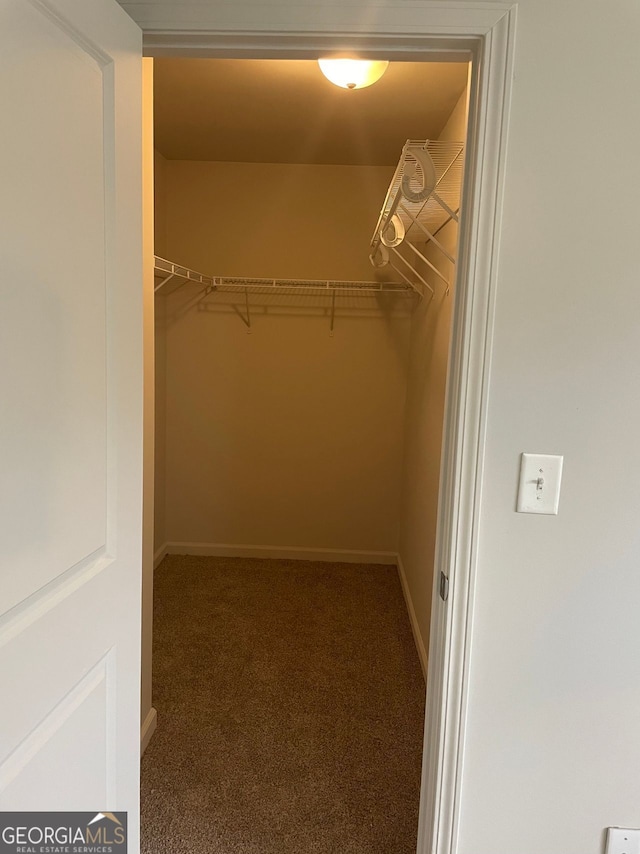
(422, 652)
(147, 729)
(280, 552)
(159, 555)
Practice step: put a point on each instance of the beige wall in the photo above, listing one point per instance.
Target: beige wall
(429, 354)
(160, 424)
(160, 357)
(160, 205)
(148, 410)
(267, 219)
(285, 436)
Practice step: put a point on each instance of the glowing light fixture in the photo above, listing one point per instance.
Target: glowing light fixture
(352, 73)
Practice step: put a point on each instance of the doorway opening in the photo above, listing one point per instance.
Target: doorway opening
(303, 328)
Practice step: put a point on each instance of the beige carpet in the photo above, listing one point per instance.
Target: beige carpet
(290, 710)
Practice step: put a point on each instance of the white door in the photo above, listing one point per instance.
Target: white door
(70, 406)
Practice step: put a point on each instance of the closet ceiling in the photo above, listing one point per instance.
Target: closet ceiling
(285, 111)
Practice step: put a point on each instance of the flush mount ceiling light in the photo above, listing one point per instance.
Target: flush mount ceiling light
(352, 73)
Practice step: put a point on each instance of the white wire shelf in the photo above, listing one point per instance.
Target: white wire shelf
(167, 271)
(225, 283)
(423, 196)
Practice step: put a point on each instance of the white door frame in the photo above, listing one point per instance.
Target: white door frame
(485, 34)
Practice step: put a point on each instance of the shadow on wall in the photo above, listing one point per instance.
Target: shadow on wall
(256, 306)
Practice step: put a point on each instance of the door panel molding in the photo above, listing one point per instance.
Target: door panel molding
(79, 37)
(31, 609)
(17, 762)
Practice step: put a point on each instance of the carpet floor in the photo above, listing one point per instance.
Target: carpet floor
(290, 707)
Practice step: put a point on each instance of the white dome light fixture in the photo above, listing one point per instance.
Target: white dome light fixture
(352, 73)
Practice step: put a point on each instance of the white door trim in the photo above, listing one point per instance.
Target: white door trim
(411, 31)
(464, 436)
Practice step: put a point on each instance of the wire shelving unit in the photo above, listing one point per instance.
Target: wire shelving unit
(167, 271)
(423, 196)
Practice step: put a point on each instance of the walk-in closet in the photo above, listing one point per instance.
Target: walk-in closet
(305, 261)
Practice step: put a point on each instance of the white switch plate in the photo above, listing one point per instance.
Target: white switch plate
(539, 490)
(623, 840)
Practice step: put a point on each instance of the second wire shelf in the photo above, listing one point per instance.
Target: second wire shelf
(423, 196)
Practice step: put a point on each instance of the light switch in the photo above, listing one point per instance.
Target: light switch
(623, 840)
(539, 490)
